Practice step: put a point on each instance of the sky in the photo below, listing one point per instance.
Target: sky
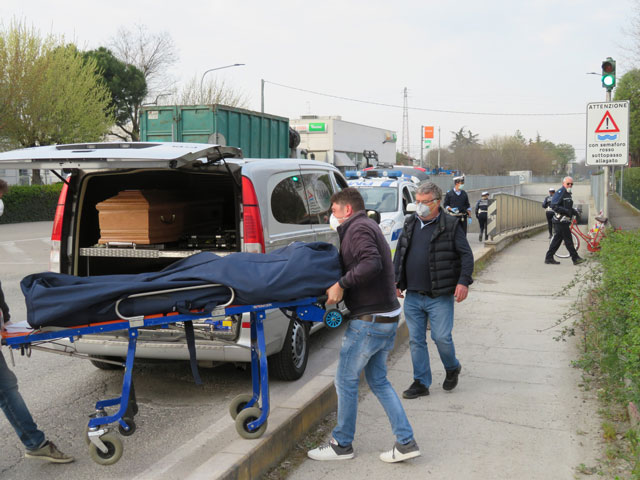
(464, 63)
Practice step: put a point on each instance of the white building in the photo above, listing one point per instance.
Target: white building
(343, 144)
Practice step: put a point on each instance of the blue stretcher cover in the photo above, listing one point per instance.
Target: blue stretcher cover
(296, 271)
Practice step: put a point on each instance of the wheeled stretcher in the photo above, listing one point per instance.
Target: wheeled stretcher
(250, 411)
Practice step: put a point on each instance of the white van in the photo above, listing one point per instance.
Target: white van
(261, 205)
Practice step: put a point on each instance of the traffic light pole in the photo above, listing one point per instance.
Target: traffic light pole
(605, 203)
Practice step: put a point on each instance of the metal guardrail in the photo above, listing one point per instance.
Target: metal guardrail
(509, 212)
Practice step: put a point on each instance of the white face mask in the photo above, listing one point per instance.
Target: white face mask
(423, 210)
(568, 189)
(461, 186)
(334, 222)
(1, 207)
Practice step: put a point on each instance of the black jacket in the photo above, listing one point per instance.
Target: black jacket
(482, 207)
(461, 202)
(3, 306)
(562, 205)
(450, 257)
(368, 278)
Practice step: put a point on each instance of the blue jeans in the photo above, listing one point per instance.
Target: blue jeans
(366, 346)
(439, 311)
(16, 411)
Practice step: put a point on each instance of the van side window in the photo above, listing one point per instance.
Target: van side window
(340, 181)
(288, 201)
(319, 191)
(406, 199)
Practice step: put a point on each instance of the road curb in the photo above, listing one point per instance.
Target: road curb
(288, 423)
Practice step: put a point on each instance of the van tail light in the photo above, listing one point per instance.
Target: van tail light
(56, 234)
(253, 233)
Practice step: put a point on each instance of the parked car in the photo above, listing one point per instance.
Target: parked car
(257, 205)
(389, 196)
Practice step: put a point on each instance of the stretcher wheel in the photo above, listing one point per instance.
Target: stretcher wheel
(244, 418)
(130, 423)
(239, 403)
(114, 447)
(333, 318)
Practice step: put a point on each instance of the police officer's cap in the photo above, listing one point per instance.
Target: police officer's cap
(552, 189)
(485, 193)
(458, 179)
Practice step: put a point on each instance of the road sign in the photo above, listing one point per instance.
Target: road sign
(428, 132)
(607, 133)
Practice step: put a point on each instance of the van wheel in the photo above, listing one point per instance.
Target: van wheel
(291, 362)
(95, 360)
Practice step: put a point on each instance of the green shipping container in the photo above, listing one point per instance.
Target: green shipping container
(259, 135)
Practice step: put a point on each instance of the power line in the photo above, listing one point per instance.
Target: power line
(420, 108)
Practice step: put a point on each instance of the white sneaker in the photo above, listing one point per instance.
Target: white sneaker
(331, 451)
(401, 452)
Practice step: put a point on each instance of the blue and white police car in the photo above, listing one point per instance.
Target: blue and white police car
(389, 195)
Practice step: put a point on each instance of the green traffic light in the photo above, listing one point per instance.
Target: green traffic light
(609, 73)
(608, 80)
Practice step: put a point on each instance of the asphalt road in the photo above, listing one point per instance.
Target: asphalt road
(61, 391)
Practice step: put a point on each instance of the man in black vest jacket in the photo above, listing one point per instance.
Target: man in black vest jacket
(434, 264)
(368, 287)
(562, 205)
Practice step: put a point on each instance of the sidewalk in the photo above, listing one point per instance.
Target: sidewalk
(518, 411)
(622, 215)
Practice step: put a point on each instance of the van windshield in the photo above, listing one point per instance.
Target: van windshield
(381, 199)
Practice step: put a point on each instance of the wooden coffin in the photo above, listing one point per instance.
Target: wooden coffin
(141, 216)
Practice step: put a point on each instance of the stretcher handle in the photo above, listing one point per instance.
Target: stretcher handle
(170, 290)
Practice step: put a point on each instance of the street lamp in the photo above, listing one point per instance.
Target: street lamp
(218, 68)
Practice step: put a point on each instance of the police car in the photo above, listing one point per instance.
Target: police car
(389, 196)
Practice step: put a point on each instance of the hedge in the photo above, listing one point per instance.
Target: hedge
(612, 331)
(31, 203)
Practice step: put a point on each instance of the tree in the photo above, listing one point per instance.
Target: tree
(152, 54)
(465, 148)
(128, 89)
(629, 89)
(462, 141)
(48, 94)
(211, 93)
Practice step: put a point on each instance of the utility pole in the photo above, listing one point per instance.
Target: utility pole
(405, 125)
(421, 145)
(438, 147)
(262, 95)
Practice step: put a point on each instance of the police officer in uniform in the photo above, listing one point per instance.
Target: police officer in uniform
(562, 205)
(482, 207)
(549, 211)
(456, 201)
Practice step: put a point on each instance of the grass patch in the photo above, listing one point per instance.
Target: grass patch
(606, 317)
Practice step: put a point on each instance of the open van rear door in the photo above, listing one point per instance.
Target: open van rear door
(116, 155)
